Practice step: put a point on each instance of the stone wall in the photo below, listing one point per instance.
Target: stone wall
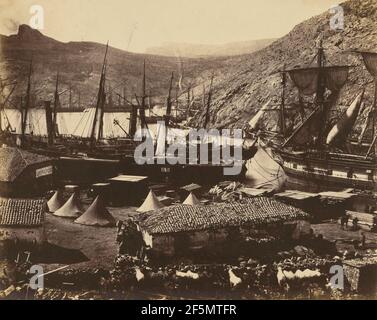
(23, 234)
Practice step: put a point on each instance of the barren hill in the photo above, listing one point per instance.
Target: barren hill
(79, 64)
(253, 79)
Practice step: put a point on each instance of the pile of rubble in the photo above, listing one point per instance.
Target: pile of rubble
(298, 272)
(226, 191)
(247, 275)
(59, 294)
(88, 279)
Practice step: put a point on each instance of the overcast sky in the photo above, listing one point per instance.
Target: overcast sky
(135, 25)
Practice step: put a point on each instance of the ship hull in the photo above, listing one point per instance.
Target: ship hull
(315, 173)
(316, 182)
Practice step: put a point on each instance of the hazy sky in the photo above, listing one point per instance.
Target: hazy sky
(138, 24)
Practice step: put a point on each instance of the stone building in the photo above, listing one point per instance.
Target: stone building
(220, 227)
(24, 174)
(22, 221)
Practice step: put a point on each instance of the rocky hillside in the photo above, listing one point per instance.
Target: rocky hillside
(252, 79)
(80, 66)
(242, 83)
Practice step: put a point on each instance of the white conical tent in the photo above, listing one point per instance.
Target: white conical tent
(150, 203)
(192, 200)
(96, 215)
(55, 203)
(343, 127)
(71, 209)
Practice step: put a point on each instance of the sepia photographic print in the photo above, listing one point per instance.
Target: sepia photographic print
(206, 150)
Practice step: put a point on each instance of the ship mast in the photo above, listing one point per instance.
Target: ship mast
(204, 96)
(133, 119)
(149, 102)
(176, 100)
(321, 88)
(2, 108)
(56, 104)
(99, 105)
(315, 80)
(168, 102)
(102, 106)
(188, 102)
(27, 104)
(206, 118)
(143, 98)
(70, 97)
(49, 123)
(282, 105)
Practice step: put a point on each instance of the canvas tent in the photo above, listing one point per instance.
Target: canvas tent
(96, 215)
(150, 203)
(192, 200)
(55, 203)
(71, 209)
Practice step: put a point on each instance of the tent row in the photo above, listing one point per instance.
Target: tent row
(96, 214)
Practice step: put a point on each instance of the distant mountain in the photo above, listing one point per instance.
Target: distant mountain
(201, 50)
(79, 65)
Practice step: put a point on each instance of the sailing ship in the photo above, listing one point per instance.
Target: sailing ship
(317, 156)
(93, 146)
(93, 157)
(90, 157)
(205, 171)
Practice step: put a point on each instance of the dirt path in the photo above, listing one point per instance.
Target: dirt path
(96, 243)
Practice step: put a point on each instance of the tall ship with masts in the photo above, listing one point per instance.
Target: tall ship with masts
(93, 145)
(91, 155)
(317, 155)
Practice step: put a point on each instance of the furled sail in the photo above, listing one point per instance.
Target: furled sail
(366, 123)
(370, 60)
(304, 134)
(263, 172)
(306, 80)
(255, 122)
(343, 127)
(161, 139)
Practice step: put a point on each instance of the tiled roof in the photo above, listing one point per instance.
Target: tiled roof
(13, 161)
(251, 211)
(22, 212)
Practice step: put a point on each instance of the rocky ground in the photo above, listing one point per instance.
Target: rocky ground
(106, 275)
